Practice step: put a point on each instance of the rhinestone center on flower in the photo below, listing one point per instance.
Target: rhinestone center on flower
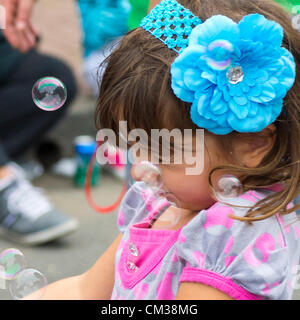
(235, 75)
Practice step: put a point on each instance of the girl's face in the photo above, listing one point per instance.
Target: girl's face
(192, 191)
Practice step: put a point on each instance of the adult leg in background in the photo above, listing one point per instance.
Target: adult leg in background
(26, 215)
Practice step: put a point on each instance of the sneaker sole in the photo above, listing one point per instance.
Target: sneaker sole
(41, 237)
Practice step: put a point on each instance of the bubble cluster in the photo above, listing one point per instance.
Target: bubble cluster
(49, 94)
(20, 281)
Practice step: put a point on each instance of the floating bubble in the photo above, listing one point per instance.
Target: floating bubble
(220, 54)
(28, 282)
(167, 209)
(12, 262)
(148, 173)
(228, 187)
(158, 206)
(49, 94)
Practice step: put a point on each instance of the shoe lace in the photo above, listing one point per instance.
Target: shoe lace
(27, 200)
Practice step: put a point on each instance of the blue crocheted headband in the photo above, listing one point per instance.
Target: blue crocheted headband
(171, 23)
(236, 75)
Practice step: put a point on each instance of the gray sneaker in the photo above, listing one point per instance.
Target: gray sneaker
(26, 215)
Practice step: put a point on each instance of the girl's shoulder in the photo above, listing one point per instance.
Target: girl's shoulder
(257, 256)
(219, 218)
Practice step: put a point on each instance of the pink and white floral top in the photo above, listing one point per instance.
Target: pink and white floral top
(257, 261)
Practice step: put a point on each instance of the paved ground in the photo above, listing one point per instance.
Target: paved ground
(58, 23)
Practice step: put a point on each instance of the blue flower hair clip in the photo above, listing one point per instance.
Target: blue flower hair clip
(236, 75)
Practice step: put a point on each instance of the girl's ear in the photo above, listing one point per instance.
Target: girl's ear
(250, 149)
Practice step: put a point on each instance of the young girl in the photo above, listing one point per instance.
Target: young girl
(229, 68)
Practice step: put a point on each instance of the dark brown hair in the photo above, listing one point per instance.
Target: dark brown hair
(136, 87)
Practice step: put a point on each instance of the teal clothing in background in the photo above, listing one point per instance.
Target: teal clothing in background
(102, 21)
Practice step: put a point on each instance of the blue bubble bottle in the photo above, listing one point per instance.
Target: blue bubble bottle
(85, 146)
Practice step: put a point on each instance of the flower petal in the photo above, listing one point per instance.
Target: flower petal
(268, 94)
(227, 97)
(203, 106)
(214, 28)
(235, 89)
(253, 109)
(288, 73)
(262, 76)
(266, 114)
(240, 111)
(209, 76)
(254, 91)
(269, 72)
(193, 79)
(217, 104)
(257, 28)
(199, 119)
(242, 100)
(222, 130)
(210, 125)
(189, 57)
(245, 87)
(183, 94)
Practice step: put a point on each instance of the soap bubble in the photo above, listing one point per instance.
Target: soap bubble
(28, 282)
(49, 94)
(12, 262)
(155, 205)
(148, 173)
(228, 187)
(219, 54)
(159, 205)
